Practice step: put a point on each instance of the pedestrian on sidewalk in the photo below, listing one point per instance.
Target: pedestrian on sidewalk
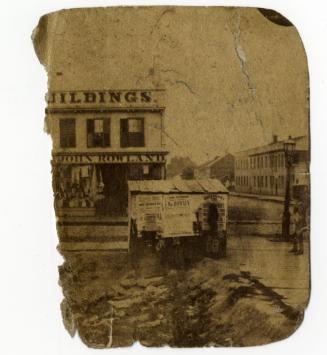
(299, 221)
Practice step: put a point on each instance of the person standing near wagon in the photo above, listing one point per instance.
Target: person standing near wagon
(213, 229)
(299, 221)
(213, 219)
(208, 215)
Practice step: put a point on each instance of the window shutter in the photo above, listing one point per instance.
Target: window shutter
(90, 132)
(142, 134)
(106, 132)
(90, 126)
(124, 132)
(67, 133)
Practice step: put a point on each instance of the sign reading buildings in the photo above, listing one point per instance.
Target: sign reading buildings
(107, 126)
(105, 98)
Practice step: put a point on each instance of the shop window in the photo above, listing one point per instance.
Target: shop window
(74, 186)
(135, 172)
(151, 172)
(98, 132)
(144, 172)
(132, 132)
(67, 133)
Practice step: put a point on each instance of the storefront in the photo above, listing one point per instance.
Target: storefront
(101, 140)
(99, 189)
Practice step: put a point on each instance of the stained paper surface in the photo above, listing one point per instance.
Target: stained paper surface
(180, 162)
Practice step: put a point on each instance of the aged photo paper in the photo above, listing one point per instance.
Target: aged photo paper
(180, 169)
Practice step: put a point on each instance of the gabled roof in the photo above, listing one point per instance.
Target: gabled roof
(271, 147)
(215, 160)
(177, 186)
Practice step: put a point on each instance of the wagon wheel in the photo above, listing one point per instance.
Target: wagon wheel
(215, 246)
(208, 245)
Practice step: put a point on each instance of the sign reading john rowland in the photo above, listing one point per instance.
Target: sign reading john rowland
(180, 167)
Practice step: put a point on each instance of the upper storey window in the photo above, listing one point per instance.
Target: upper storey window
(67, 133)
(98, 132)
(132, 132)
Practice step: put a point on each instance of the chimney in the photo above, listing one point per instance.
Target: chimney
(275, 138)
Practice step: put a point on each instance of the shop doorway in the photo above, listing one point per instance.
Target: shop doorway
(115, 189)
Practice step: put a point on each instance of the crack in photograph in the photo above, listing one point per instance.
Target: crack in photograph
(180, 172)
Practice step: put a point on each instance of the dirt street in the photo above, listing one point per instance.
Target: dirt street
(233, 301)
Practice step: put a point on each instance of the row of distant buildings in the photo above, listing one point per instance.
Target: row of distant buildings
(262, 170)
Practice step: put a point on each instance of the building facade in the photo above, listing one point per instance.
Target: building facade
(102, 139)
(221, 168)
(262, 170)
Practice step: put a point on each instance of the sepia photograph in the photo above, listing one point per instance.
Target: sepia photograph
(163, 177)
(180, 173)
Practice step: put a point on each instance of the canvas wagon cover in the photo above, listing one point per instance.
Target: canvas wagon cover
(170, 206)
(177, 186)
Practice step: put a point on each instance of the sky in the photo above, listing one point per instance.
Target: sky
(232, 77)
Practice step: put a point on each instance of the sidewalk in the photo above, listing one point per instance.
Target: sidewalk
(258, 197)
(285, 273)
